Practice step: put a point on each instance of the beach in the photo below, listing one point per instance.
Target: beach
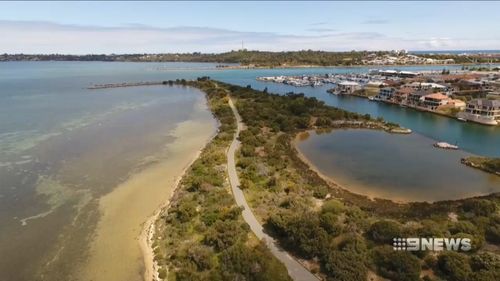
(119, 245)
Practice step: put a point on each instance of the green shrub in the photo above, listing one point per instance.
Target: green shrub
(396, 265)
(384, 231)
(454, 266)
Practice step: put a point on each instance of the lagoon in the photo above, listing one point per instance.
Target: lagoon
(393, 166)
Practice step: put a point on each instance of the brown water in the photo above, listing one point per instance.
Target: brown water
(398, 167)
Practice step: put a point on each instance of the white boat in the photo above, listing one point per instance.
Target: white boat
(462, 119)
(371, 98)
(445, 145)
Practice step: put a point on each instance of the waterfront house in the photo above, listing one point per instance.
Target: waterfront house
(386, 93)
(416, 97)
(482, 111)
(426, 86)
(435, 100)
(347, 87)
(402, 94)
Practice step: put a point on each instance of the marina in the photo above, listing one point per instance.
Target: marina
(461, 94)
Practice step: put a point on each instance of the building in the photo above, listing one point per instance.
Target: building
(426, 86)
(435, 100)
(347, 87)
(386, 93)
(402, 94)
(482, 111)
(416, 97)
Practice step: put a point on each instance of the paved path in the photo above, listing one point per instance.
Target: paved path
(296, 270)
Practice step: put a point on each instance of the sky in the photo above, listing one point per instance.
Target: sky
(162, 27)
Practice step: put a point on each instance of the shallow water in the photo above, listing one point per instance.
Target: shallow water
(398, 167)
(62, 147)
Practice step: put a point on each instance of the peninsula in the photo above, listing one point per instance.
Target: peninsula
(334, 233)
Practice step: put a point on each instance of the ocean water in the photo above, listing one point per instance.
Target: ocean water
(63, 146)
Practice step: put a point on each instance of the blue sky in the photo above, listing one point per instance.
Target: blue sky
(129, 27)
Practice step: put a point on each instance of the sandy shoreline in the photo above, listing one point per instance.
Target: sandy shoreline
(146, 238)
(117, 251)
(147, 234)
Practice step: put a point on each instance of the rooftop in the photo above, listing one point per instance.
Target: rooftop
(437, 96)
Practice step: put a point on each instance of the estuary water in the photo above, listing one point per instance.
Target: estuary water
(80, 169)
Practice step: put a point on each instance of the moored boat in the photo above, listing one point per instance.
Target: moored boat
(445, 145)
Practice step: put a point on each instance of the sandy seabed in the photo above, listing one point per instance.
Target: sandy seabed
(117, 251)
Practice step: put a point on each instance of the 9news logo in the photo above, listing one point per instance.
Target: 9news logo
(432, 244)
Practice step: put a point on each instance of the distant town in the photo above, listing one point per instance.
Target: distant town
(255, 59)
(464, 94)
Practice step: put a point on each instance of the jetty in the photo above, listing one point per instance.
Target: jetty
(122, 85)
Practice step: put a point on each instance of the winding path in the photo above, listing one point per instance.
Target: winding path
(296, 270)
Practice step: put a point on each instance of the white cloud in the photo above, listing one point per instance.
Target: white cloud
(48, 37)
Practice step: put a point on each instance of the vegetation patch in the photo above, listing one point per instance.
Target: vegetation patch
(340, 235)
(202, 235)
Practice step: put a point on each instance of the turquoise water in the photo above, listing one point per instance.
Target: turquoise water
(473, 138)
(398, 167)
(62, 146)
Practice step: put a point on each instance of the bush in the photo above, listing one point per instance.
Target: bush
(223, 234)
(241, 263)
(344, 266)
(396, 265)
(328, 222)
(485, 261)
(332, 206)
(201, 256)
(384, 231)
(301, 231)
(454, 266)
(493, 230)
(479, 207)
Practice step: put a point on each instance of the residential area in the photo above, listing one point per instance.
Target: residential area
(466, 95)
